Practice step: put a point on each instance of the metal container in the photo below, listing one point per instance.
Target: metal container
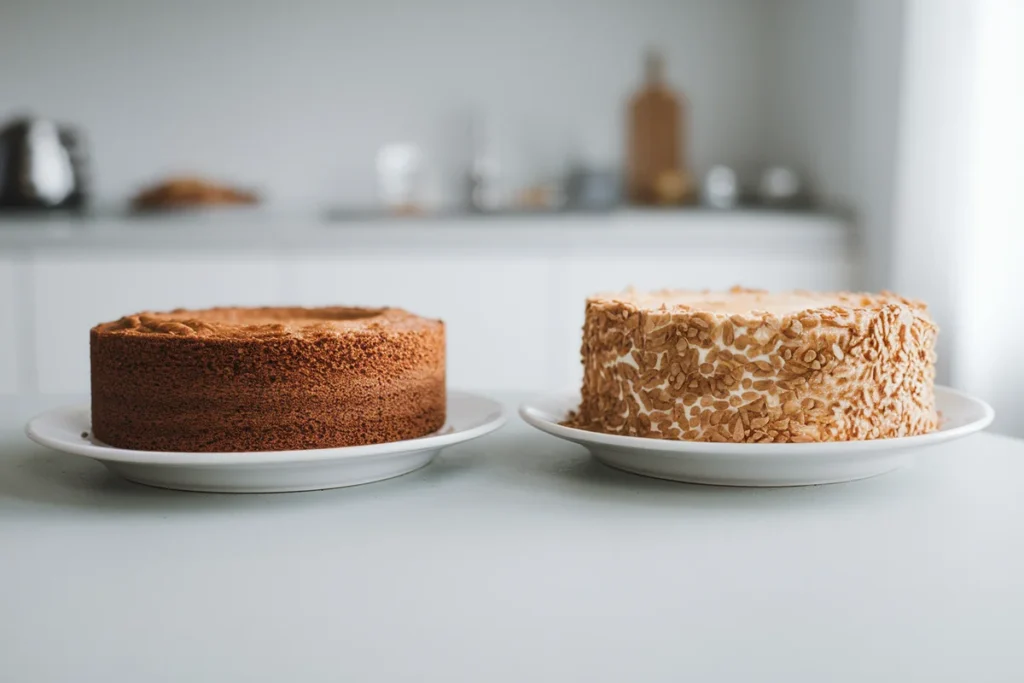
(42, 166)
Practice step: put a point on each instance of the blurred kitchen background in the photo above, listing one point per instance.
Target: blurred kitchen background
(491, 163)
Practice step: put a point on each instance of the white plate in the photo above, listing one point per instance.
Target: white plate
(469, 417)
(743, 464)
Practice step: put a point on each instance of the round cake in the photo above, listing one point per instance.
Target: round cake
(261, 379)
(748, 366)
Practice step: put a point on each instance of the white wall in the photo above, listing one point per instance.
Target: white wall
(834, 110)
(810, 102)
(877, 68)
(296, 97)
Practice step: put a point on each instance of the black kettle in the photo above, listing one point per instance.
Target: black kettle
(42, 166)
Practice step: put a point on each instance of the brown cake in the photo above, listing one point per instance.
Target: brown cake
(750, 366)
(260, 379)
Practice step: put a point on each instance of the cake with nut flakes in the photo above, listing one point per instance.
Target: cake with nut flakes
(748, 366)
(261, 379)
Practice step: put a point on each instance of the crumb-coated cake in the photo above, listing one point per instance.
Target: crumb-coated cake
(749, 366)
(260, 379)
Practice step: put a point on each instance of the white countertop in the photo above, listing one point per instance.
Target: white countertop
(757, 231)
(513, 558)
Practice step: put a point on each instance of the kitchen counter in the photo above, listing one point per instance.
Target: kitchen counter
(762, 232)
(513, 558)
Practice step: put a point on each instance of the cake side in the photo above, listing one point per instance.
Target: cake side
(285, 385)
(861, 367)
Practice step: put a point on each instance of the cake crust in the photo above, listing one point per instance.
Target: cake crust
(804, 367)
(255, 379)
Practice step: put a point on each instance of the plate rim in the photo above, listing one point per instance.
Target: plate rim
(104, 452)
(531, 413)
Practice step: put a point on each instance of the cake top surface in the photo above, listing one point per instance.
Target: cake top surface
(747, 301)
(267, 322)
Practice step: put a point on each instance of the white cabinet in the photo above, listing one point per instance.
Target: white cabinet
(13, 335)
(72, 293)
(496, 308)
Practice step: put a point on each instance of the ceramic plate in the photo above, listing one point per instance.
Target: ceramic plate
(742, 464)
(469, 417)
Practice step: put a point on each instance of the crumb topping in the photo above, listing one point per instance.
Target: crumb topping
(749, 366)
(266, 322)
